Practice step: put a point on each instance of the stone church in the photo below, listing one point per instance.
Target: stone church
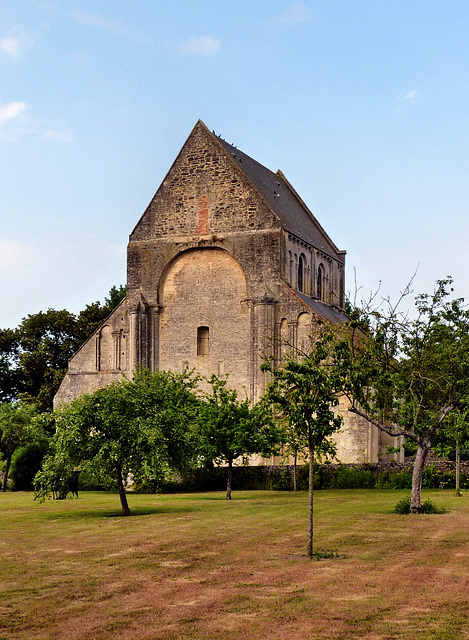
(226, 266)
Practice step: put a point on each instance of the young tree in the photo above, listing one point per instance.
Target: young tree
(230, 428)
(457, 438)
(17, 428)
(407, 376)
(305, 391)
(139, 427)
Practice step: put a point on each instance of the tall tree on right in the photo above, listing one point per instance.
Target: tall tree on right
(409, 375)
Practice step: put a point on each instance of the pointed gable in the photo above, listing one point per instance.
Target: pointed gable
(204, 192)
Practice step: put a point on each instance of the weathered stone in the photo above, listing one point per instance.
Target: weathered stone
(226, 266)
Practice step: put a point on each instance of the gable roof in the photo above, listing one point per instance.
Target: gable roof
(283, 200)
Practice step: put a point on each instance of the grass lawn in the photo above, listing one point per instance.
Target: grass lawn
(197, 566)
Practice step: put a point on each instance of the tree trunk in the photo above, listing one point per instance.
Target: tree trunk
(295, 471)
(5, 473)
(423, 448)
(229, 479)
(310, 502)
(458, 468)
(122, 494)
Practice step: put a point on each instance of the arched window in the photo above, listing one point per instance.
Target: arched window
(203, 341)
(290, 268)
(319, 287)
(300, 273)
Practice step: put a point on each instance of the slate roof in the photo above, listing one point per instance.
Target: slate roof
(333, 314)
(284, 201)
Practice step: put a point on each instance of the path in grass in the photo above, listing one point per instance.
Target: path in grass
(197, 566)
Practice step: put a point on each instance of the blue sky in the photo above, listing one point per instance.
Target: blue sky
(363, 104)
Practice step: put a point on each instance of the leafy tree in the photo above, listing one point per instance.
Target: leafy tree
(137, 427)
(115, 296)
(34, 356)
(457, 438)
(46, 342)
(305, 391)
(408, 376)
(17, 428)
(229, 428)
(93, 315)
(10, 383)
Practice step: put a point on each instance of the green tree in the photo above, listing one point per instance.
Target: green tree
(408, 376)
(10, 382)
(457, 438)
(230, 428)
(139, 427)
(34, 356)
(46, 342)
(93, 315)
(17, 428)
(305, 392)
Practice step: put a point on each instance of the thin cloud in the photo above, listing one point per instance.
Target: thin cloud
(59, 136)
(15, 42)
(10, 111)
(93, 19)
(13, 255)
(410, 98)
(203, 45)
(296, 13)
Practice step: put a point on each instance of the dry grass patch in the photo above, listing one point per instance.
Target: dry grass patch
(197, 566)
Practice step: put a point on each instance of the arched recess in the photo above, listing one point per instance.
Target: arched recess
(301, 270)
(105, 349)
(285, 346)
(204, 291)
(304, 333)
(302, 267)
(320, 283)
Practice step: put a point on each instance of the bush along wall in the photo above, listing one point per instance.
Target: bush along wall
(438, 474)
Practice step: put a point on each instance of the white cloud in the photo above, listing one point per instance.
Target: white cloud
(202, 45)
(411, 97)
(296, 13)
(13, 255)
(59, 136)
(97, 20)
(15, 42)
(10, 111)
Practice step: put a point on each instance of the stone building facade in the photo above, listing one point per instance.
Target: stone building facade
(226, 266)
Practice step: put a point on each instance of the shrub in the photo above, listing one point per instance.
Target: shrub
(25, 463)
(403, 507)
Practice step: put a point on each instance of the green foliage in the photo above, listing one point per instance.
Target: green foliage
(25, 463)
(18, 427)
(10, 381)
(409, 376)
(229, 428)
(115, 296)
(324, 554)
(139, 427)
(305, 392)
(34, 356)
(403, 507)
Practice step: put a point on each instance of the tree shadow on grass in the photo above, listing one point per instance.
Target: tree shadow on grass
(92, 514)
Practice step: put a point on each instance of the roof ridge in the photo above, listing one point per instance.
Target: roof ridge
(280, 174)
